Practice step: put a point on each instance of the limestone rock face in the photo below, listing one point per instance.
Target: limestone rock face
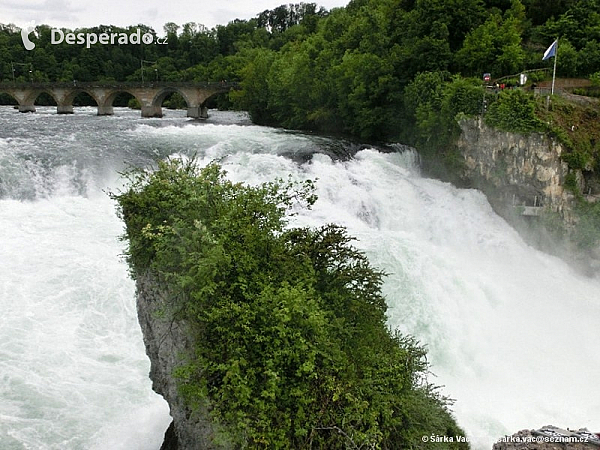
(523, 177)
(515, 169)
(166, 342)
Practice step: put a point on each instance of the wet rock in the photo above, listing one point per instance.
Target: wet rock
(549, 438)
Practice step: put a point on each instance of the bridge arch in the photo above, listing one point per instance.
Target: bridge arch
(65, 97)
(33, 95)
(111, 97)
(26, 98)
(8, 98)
(162, 94)
(105, 96)
(153, 108)
(70, 96)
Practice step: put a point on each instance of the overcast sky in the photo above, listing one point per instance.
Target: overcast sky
(155, 13)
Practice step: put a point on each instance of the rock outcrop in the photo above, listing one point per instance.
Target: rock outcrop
(515, 169)
(549, 438)
(167, 342)
(523, 177)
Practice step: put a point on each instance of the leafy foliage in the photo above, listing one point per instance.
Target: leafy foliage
(587, 231)
(514, 111)
(292, 349)
(575, 126)
(377, 70)
(493, 47)
(436, 105)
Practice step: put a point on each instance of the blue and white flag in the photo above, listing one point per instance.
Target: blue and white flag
(551, 51)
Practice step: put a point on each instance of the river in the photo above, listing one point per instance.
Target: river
(512, 332)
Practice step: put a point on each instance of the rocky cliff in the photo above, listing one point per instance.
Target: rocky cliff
(515, 170)
(166, 342)
(524, 179)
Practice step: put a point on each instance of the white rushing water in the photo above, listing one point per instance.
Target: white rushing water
(511, 331)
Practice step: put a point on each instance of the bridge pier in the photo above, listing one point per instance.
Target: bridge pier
(64, 101)
(198, 112)
(105, 110)
(27, 108)
(64, 109)
(152, 111)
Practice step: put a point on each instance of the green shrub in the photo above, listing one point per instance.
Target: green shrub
(587, 92)
(134, 104)
(464, 96)
(571, 182)
(292, 347)
(434, 106)
(534, 77)
(563, 137)
(514, 110)
(576, 160)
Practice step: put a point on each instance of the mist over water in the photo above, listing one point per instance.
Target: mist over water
(511, 331)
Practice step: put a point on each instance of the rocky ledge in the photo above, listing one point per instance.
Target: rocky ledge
(550, 438)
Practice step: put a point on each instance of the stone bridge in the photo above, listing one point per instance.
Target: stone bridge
(149, 95)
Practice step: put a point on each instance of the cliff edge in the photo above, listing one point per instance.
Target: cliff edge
(166, 341)
(515, 169)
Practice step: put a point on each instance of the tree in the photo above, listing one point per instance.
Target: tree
(283, 17)
(366, 89)
(540, 11)
(589, 57)
(580, 23)
(255, 94)
(459, 16)
(494, 46)
(514, 111)
(568, 62)
(229, 36)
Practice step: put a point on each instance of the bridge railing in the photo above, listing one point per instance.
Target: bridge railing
(117, 84)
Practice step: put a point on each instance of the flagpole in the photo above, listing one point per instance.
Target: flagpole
(554, 72)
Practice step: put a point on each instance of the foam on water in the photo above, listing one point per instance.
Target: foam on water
(72, 358)
(216, 141)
